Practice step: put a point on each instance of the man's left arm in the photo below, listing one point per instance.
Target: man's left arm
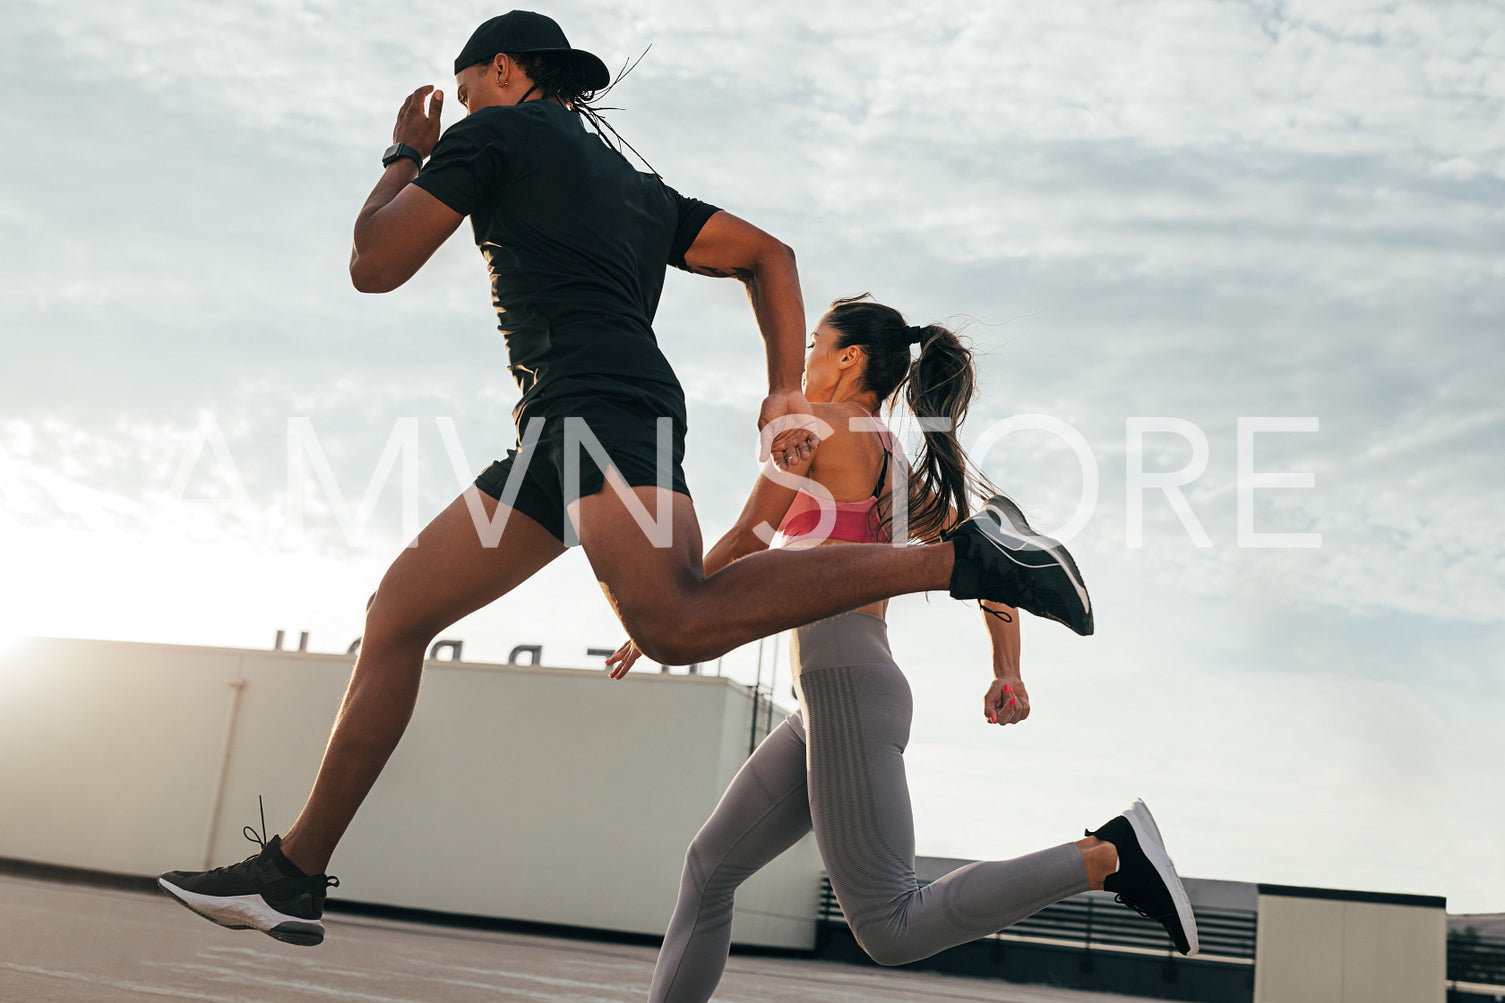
(729, 247)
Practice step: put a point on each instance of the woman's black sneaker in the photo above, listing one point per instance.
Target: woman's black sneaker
(264, 892)
(1146, 879)
(1000, 558)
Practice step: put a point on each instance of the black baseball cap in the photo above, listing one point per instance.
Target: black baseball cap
(519, 31)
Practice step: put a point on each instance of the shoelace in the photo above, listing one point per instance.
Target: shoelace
(260, 839)
(1119, 897)
(1157, 917)
(251, 834)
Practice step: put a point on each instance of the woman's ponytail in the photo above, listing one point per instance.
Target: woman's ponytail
(940, 383)
(940, 386)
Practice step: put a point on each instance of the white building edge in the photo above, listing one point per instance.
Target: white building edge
(518, 792)
(527, 793)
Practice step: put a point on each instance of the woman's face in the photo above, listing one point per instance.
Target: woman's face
(825, 363)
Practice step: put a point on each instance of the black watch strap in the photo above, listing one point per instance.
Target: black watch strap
(399, 150)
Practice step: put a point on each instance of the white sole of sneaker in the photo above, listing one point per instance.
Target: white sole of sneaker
(1145, 810)
(1148, 834)
(1009, 537)
(248, 912)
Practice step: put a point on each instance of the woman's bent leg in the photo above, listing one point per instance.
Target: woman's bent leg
(857, 722)
(764, 811)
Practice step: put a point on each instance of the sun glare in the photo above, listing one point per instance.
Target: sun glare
(10, 636)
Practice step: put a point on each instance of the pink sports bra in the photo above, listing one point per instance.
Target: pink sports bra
(856, 522)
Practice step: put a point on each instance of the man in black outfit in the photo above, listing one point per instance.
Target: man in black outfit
(576, 241)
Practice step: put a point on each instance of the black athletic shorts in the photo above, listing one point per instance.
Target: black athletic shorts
(623, 418)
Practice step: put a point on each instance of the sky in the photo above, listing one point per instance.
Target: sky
(1164, 209)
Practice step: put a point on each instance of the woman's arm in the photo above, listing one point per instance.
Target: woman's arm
(1003, 635)
(766, 507)
(1007, 701)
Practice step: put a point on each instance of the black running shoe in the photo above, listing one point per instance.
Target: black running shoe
(999, 558)
(1146, 879)
(265, 892)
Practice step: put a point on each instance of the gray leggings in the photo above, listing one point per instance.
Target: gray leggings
(838, 766)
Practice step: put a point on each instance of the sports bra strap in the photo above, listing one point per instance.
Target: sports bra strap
(882, 474)
(883, 434)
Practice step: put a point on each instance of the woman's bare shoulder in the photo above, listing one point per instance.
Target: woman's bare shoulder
(838, 416)
(845, 457)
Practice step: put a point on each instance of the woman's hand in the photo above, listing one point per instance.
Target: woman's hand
(1006, 702)
(623, 659)
(416, 128)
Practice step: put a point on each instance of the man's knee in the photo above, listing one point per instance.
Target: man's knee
(665, 634)
(666, 647)
(389, 623)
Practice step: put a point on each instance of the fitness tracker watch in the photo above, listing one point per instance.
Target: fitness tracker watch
(397, 151)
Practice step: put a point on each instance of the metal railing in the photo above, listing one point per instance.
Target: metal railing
(1092, 922)
(1478, 961)
(762, 697)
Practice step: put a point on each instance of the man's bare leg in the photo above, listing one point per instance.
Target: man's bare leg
(677, 615)
(447, 575)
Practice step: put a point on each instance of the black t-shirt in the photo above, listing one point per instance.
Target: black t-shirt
(576, 241)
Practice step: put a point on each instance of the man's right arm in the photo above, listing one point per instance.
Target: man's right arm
(401, 225)
(398, 229)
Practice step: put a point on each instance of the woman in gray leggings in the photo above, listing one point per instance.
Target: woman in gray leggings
(837, 765)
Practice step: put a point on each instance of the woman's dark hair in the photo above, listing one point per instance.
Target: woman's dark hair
(940, 382)
(556, 77)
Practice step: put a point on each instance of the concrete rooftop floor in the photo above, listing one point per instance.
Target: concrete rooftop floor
(62, 943)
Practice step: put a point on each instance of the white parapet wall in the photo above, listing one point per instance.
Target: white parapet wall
(519, 792)
(1320, 945)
